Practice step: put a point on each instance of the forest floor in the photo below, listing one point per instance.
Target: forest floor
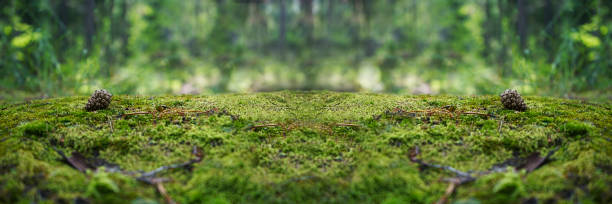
(305, 147)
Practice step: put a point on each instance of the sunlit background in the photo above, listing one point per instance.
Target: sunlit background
(151, 47)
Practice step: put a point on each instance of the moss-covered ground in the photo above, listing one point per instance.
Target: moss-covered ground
(305, 147)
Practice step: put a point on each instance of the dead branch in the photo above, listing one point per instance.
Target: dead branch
(499, 129)
(476, 113)
(428, 165)
(346, 125)
(534, 160)
(160, 188)
(440, 111)
(110, 123)
(151, 174)
(137, 113)
(77, 160)
(449, 191)
(447, 168)
(264, 125)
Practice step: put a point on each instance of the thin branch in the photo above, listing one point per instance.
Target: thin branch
(499, 129)
(476, 113)
(137, 113)
(447, 168)
(164, 168)
(264, 125)
(449, 191)
(160, 188)
(346, 125)
(110, 123)
(459, 173)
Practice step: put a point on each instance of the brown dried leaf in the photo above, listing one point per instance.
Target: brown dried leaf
(78, 161)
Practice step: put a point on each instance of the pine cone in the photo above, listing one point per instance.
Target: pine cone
(513, 100)
(100, 99)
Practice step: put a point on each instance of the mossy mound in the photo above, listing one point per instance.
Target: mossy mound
(311, 147)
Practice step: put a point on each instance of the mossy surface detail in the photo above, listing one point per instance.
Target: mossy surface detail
(306, 147)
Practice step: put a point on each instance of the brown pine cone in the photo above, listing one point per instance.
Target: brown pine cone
(100, 99)
(513, 100)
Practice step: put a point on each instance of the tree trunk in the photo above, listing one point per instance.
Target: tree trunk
(501, 55)
(521, 26)
(549, 11)
(330, 15)
(487, 29)
(124, 34)
(307, 19)
(108, 53)
(282, 19)
(90, 24)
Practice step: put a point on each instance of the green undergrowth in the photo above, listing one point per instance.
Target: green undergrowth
(317, 147)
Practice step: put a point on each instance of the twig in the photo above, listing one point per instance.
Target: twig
(77, 160)
(160, 188)
(163, 168)
(499, 129)
(149, 177)
(448, 168)
(449, 191)
(110, 123)
(137, 113)
(264, 125)
(463, 177)
(476, 113)
(347, 125)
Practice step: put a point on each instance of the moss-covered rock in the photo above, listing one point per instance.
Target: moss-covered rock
(314, 147)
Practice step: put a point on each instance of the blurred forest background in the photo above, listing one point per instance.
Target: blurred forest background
(71, 47)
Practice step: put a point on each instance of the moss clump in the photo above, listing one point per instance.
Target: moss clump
(36, 128)
(313, 147)
(510, 186)
(576, 128)
(101, 184)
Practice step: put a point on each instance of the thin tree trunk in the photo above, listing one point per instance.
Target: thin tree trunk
(62, 12)
(282, 19)
(500, 35)
(522, 23)
(549, 11)
(487, 29)
(307, 19)
(330, 15)
(108, 53)
(90, 24)
(124, 35)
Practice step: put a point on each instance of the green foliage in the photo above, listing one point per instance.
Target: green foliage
(101, 184)
(574, 128)
(68, 47)
(510, 186)
(36, 128)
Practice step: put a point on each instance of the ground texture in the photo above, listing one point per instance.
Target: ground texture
(307, 147)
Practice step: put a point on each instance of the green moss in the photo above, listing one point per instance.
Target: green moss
(510, 187)
(101, 184)
(575, 128)
(306, 155)
(36, 128)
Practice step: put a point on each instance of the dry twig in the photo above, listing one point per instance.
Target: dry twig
(449, 191)
(110, 123)
(160, 188)
(264, 125)
(346, 125)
